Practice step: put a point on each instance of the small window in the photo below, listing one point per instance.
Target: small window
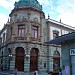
(11, 30)
(9, 50)
(2, 53)
(44, 65)
(55, 34)
(3, 37)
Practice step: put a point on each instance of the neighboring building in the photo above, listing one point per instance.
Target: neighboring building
(22, 39)
(67, 43)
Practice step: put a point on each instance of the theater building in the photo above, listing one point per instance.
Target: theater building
(22, 39)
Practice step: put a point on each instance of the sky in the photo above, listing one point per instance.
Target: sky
(57, 9)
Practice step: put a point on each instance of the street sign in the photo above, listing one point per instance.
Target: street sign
(72, 51)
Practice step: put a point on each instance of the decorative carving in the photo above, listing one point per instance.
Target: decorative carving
(35, 19)
(23, 19)
(29, 12)
(35, 22)
(20, 20)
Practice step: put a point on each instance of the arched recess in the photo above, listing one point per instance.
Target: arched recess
(19, 59)
(34, 59)
(56, 60)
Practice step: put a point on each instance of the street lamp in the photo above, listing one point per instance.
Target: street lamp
(2, 61)
(27, 56)
(10, 58)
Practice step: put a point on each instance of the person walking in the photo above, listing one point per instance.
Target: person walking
(60, 72)
(15, 71)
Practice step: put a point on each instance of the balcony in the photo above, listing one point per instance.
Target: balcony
(20, 39)
(35, 39)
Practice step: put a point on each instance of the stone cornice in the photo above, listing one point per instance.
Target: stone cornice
(26, 8)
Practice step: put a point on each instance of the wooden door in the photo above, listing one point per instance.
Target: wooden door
(19, 60)
(34, 60)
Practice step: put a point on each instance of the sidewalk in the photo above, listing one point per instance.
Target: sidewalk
(21, 73)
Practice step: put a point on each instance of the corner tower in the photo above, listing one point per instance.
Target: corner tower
(28, 13)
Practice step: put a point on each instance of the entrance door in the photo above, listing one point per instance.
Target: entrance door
(73, 64)
(34, 59)
(56, 60)
(19, 60)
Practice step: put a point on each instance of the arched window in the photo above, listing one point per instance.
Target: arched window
(21, 29)
(34, 32)
(56, 60)
(9, 50)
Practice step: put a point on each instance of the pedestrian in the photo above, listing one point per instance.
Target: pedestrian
(15, 71)
(63, 71)
(60, 72)
(2, 67)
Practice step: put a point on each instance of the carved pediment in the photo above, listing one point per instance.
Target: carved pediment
(35, 19)
(21, 19)
(24, 19)
(35, 22)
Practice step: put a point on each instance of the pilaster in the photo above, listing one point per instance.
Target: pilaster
(41, 17)
(29, 27)
(14, 28)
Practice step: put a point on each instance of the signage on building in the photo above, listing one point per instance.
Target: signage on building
(72, 51)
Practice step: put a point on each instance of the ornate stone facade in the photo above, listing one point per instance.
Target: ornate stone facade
(22, 40)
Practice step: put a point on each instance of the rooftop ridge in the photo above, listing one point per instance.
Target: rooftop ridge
(60, 23)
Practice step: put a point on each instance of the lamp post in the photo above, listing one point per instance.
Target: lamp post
(27, 56)
(2, 64)
(2, 61)
(10, 57)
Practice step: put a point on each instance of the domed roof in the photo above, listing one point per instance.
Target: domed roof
(33, 3)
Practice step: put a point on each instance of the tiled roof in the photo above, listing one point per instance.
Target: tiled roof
(63, 38)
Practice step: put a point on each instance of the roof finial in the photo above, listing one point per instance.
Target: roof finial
(8, 20)
(60, 20)
(48, 16)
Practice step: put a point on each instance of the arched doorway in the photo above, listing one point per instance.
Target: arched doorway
(34, 59)
(56, 60)
(19, 59)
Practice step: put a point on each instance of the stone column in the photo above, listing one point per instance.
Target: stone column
(29, 27)
(14, 28)
(48, 31)
(14, 24)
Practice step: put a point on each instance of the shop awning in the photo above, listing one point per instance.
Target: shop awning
(63, 38)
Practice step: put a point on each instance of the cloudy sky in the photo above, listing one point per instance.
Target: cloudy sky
(57, 9)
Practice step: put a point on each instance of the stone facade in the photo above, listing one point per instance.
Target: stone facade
(10, 40)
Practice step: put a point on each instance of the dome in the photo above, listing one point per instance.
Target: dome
(32, 3)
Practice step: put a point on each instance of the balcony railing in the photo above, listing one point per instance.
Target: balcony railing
(35, 39)
(20, 38)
